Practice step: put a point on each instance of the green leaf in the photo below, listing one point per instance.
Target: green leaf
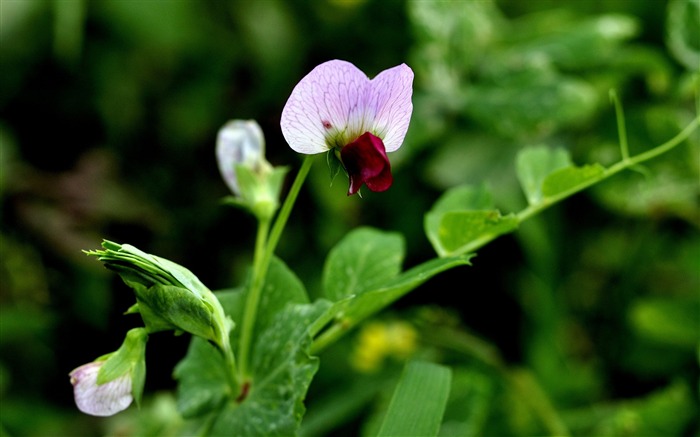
(281, 287)
(534, 164)
(282, 372)
(464, 197)
(282, 368)
(461, 229)
(419, 401)
(545, 172)
(364, 258)
(463, 216)
(334, 164)
(565, 179)
(349, 312)
(202, 383)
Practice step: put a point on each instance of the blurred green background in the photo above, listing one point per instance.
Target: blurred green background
(108, 117)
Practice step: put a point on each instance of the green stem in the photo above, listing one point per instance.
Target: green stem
(327, 338)
(265, 244)
(621, 129)
(231, 373)
(287, 209)
(612, 170)
(252, 300)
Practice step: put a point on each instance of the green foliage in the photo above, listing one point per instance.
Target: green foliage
(582, 321)
(462, 218)
(365, 258)
(418, 402)
(370, 280)
(281, 366)
(282, 372)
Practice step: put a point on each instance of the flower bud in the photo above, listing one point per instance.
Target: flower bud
(168, 295)
(109, 384)
(240, 153)
(239, 142)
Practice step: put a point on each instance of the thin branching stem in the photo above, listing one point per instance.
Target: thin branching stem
(265, 244)
(621, 128)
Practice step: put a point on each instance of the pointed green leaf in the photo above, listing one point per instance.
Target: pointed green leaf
(462, 216)
(281, 287)
(349, 312)
(419, 401)
(534, 164)
(461, 229)
(364, 258)
(565, 179)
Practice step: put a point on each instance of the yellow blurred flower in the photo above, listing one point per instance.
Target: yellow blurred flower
(379, 340)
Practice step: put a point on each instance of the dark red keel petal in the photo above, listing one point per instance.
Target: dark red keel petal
(366, 163)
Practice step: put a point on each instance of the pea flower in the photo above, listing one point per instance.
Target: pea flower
(109, 384)
(336, 108)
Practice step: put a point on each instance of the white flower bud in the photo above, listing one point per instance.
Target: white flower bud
(100, 399)
(239, 142)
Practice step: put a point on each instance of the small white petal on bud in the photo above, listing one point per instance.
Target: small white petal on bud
(100, 400)
(238, 142)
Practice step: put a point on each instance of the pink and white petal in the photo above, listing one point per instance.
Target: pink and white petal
(323, 105)
(99, 400)
(389, 104)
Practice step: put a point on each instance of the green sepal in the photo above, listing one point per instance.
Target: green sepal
(164, 307)
(334, 163)
(260, 189)
(129, 359)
